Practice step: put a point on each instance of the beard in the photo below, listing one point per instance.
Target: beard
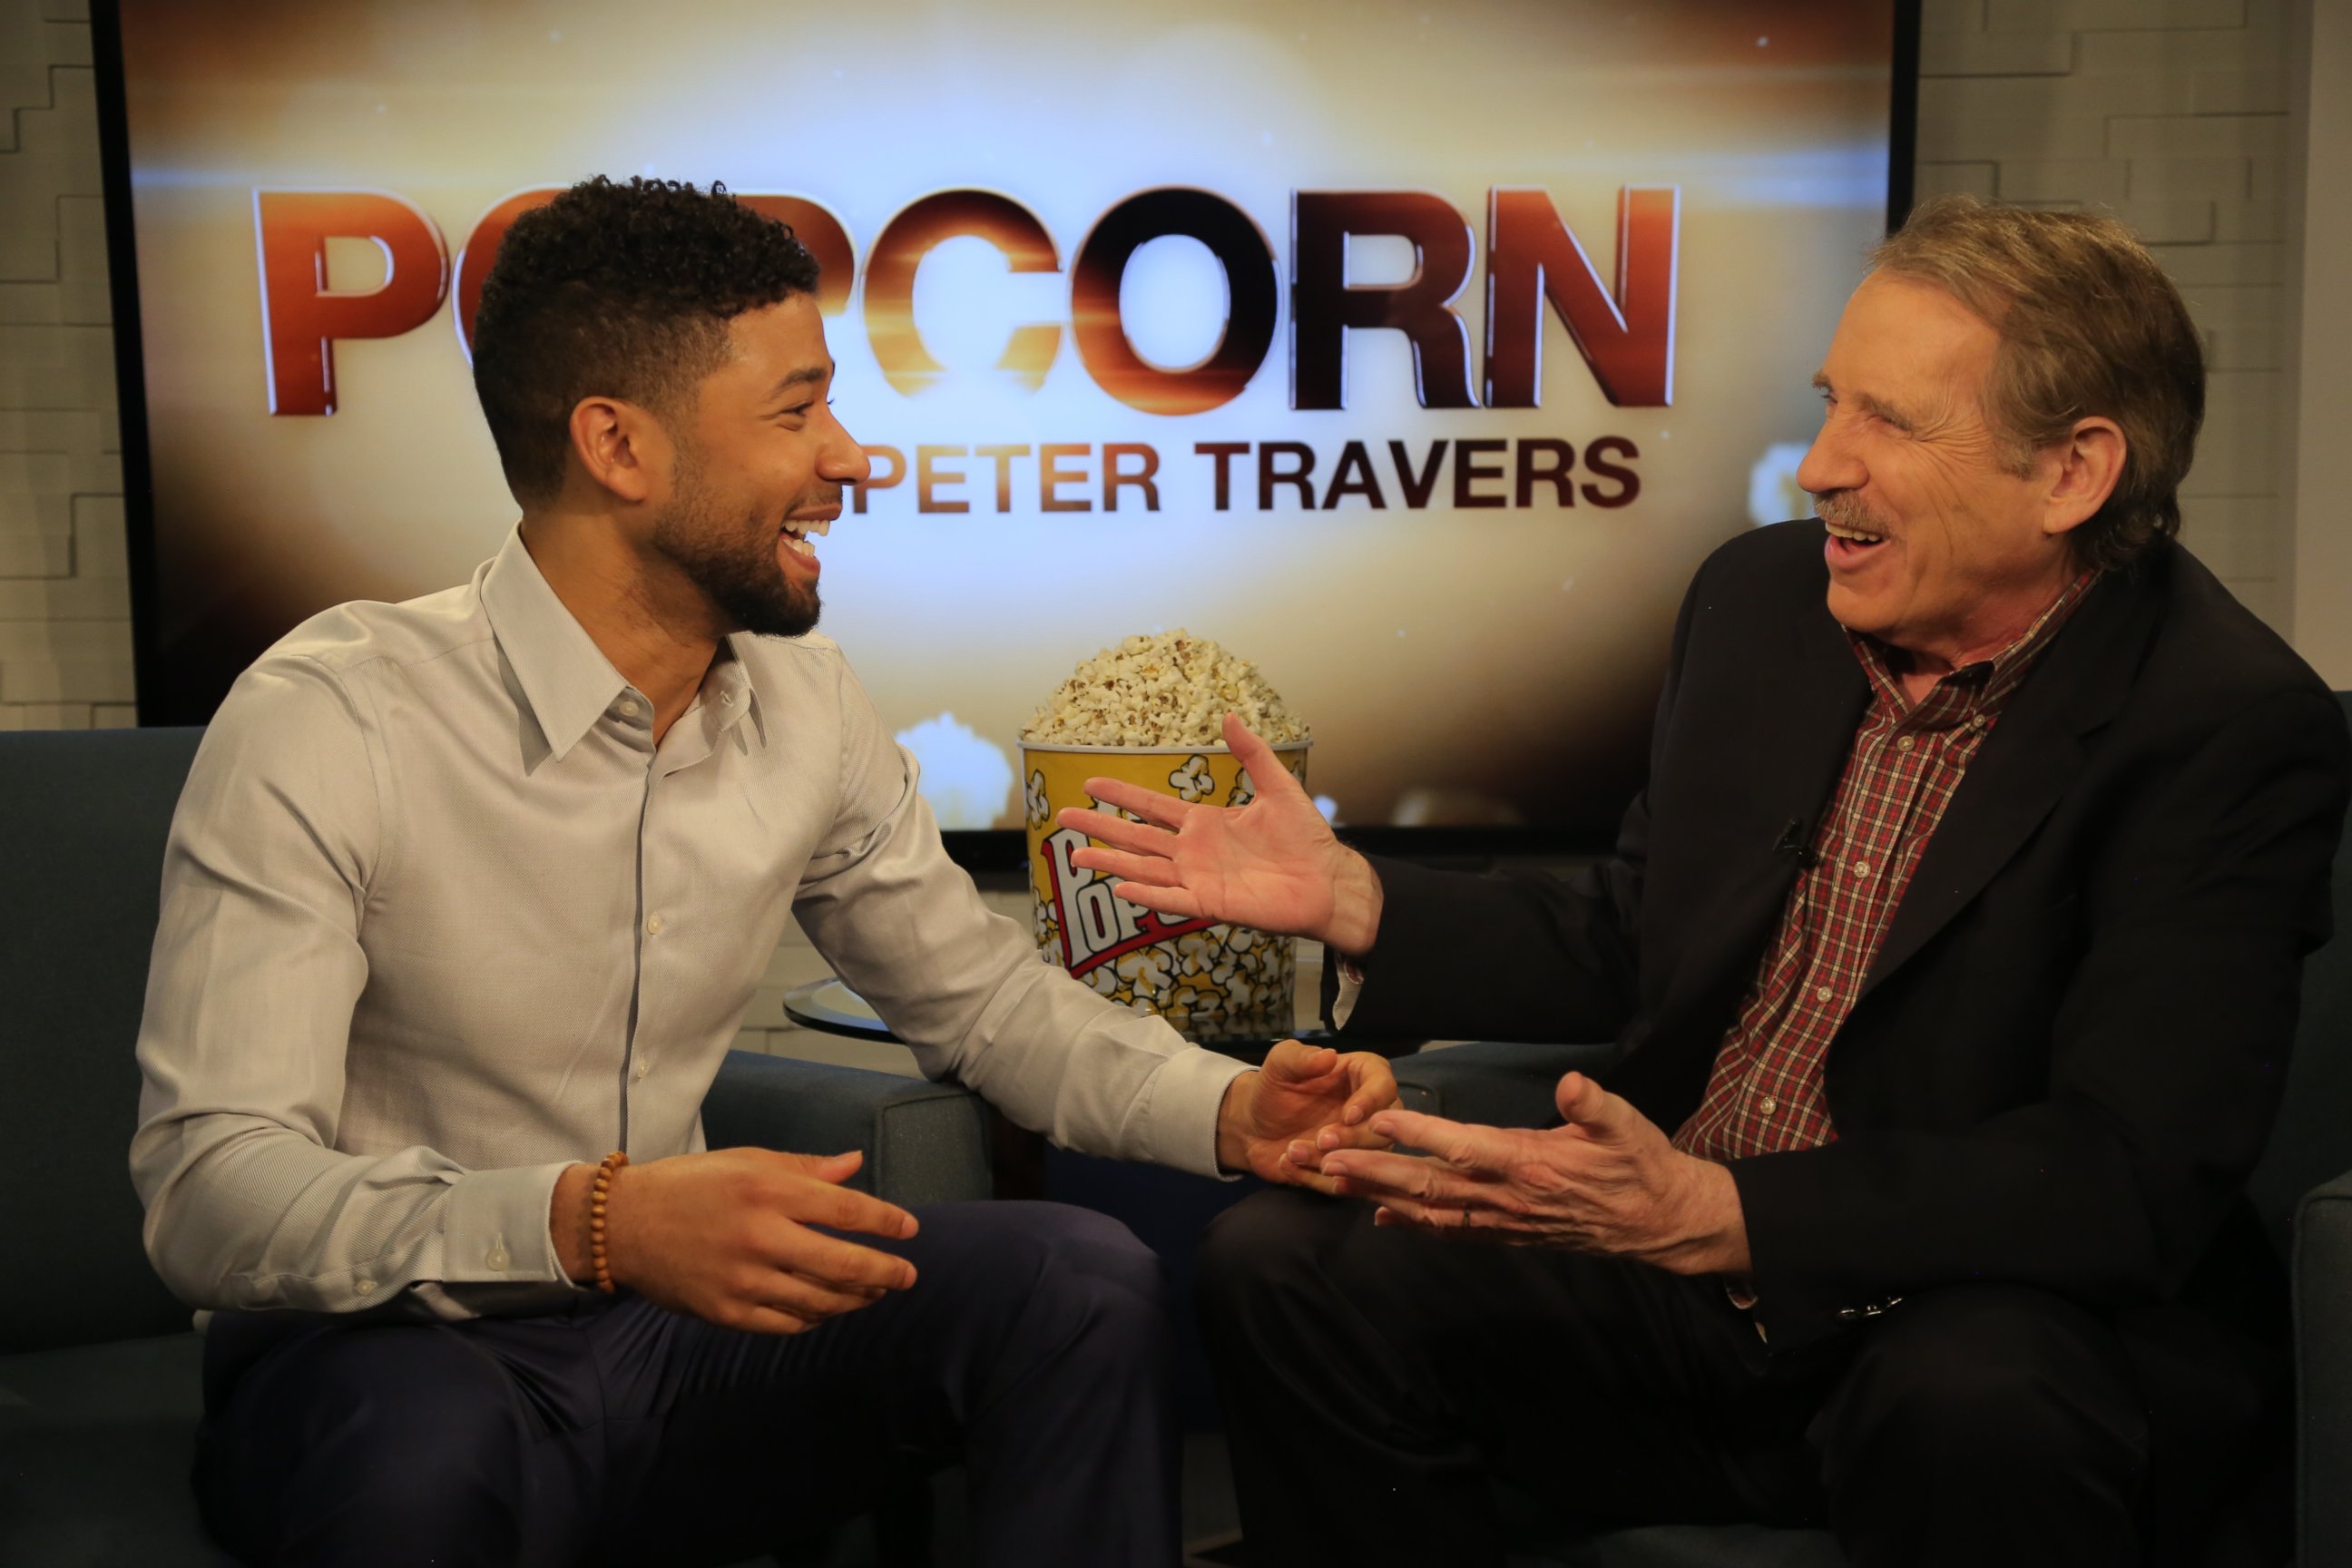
(732, 560)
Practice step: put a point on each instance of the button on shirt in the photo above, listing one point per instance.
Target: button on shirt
(1766, 1090)
(440, 919)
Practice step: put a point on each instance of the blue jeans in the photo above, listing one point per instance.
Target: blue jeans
(1034, 1346)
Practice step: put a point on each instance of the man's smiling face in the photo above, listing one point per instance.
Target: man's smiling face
(759, 466)
(1936, 545)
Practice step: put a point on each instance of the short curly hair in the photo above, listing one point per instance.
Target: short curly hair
(617, 290)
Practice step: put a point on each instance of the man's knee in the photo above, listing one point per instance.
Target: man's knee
(359, 1444)
(1083, 1273)
(1988, 1377)
(1277, 1268)
(1275, 1242)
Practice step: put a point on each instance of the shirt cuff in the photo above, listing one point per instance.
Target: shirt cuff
(1351, 985)
(1742, 1295)
(1180, 1128)
(495, 1227)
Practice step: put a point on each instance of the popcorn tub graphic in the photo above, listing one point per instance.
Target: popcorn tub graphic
(1211, 981)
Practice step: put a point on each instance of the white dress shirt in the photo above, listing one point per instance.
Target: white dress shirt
(440, 919)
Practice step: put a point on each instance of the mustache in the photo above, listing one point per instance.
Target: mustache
(1846, 509)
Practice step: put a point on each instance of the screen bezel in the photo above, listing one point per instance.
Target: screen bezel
(994, 849)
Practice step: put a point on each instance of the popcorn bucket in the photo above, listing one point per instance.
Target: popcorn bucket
(1212, 982)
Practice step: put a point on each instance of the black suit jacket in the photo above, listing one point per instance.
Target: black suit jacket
(2069, 1051)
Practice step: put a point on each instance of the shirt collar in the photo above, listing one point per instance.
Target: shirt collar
(566, 680)
(1977, 690)
(733, 687)
(2006, 671)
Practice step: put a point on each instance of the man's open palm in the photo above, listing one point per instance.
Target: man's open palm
(1273, 864)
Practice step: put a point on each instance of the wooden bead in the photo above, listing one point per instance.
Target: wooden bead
(599, 1195)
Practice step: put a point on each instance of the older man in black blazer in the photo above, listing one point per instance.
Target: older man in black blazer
(1955, 940)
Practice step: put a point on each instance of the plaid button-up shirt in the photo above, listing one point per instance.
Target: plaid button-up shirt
(1766, 1091)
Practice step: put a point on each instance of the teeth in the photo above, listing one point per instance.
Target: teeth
(798, 545)
(820, 528)
(1855, 533)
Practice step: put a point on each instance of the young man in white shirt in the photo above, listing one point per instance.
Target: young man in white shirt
(467, 892)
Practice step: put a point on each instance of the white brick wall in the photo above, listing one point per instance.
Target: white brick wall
(2172, 114)
(65, 594)
(2319, 338)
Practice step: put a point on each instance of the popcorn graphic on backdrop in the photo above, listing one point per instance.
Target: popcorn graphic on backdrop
(966, 777)
(1773, 493)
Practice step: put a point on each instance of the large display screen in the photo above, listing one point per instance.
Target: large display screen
(1416, 352)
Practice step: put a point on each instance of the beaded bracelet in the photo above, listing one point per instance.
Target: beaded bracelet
(598, 1196)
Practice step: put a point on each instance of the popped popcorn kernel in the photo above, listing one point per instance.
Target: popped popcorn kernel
(1172, 689)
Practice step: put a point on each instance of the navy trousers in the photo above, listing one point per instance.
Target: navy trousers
(1034, 1346)
(1376, 1383)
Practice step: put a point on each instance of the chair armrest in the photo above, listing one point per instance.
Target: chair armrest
(924, 1143)
(2323, 1372)
(1494, 1083)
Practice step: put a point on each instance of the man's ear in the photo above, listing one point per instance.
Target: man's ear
(620, 446)
(2088, 462)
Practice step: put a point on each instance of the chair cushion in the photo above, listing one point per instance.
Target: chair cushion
(2323, 1354)
(924, 1143)
(88, 812)
(95, 1444)
(2312, 1141)
(1496, 1083)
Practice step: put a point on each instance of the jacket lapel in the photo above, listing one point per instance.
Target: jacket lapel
(1791, 776)
(2029, 760)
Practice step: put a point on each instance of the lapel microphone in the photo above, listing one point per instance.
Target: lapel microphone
(1792, 842)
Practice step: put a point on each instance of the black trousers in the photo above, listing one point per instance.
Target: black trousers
(1377, 1384)
(1034, 1345)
